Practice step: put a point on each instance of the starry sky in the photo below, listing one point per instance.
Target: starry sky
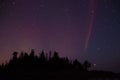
(80, 29)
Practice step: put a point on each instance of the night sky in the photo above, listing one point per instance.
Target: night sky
(80, 29)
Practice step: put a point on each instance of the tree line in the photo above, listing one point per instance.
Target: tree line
(28, 66)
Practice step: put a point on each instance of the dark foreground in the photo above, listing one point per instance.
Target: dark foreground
(59, 76)
(50, 67)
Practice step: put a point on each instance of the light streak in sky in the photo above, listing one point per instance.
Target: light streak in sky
(91, 12)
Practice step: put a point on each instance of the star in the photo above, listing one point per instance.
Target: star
(42, 5)
(106, 6)
(94, 65)
(33, 24)
(67, 10)
(13, 3)
(113, 11)
(105, 20)
(98, 49)
(92, 12)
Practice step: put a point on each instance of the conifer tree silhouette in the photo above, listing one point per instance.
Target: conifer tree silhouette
(86, 65)
(52, 67)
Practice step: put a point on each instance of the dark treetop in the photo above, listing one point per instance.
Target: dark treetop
(48, 66)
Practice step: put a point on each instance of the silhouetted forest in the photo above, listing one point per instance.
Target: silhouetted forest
(49, 66)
